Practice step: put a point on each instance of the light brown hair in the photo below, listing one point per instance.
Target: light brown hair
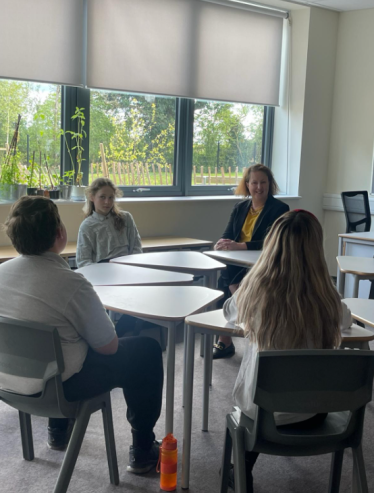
(242, 189)
(32, 225)
(93, 189)
(287, 300)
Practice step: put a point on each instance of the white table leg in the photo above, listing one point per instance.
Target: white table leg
(356, 281)
(340, 247)
(170, 372)
(207, 376)
(340, 277)
(184, 364)
(187, 422)
(202, 345)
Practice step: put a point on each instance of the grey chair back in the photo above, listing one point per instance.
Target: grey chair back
(309, 382)
(33, 350)
(338, 382)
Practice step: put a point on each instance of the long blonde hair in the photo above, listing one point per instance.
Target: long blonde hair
(91, 191)
(287, 300)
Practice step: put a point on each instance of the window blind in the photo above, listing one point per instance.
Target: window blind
(42, 40)
(186, 48)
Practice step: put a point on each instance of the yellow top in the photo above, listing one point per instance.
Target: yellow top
(249, 224)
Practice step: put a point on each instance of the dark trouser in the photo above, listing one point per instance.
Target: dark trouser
(231, 275)
(251, 457)
(136, 368)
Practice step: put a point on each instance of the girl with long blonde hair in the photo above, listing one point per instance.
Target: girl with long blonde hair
(107, 231)
(287, 301)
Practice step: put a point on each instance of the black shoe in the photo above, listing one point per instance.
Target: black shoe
(220, 350)
(231, 481)
(142, 461)
(58, 439)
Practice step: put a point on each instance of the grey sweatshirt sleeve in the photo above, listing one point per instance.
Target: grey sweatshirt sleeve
(135, 242)
(230, 310)
(85, 250)
(346, 318)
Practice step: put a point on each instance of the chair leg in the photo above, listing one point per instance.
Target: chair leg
(239, 461)
(26, 436)
(110, 442)
(226, 460)
(359, 483)
(73, 449)
(336, 471)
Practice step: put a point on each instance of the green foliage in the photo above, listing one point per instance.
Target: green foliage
(67, 178)
(77, 140)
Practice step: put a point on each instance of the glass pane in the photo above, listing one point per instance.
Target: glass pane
(227, 138)
(39, 108)
(132, 138)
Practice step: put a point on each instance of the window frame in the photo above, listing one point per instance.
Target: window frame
(183, 147)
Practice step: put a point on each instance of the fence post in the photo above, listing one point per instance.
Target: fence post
(194, 175)
(209, 177)
(114, 173)
(119, 173)
(154, 174)
(148, 177)
(132, 174)
(223, 176)
(215, 170)
(159, 173)
(236, 175)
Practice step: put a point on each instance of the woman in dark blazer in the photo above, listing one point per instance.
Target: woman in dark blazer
(249, 223)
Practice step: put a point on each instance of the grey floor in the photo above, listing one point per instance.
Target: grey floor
(271, 474)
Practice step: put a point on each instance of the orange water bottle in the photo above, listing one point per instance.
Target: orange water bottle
(167, 463)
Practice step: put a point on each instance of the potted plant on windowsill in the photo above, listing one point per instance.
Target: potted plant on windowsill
(66, 186)
(78, 190)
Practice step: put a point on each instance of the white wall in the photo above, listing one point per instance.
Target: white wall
(352, 130)
(288, 119)
(202, 219)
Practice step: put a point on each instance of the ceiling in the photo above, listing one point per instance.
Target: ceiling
(339, 5)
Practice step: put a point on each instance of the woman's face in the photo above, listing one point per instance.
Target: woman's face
(103, 200)
(258, 186)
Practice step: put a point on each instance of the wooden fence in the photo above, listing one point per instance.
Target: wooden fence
(154, 174)
(133, 174)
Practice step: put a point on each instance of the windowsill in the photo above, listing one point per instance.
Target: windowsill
(190, 198)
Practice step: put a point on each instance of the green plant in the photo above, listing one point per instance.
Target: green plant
(67, 177)
(77, 138)
(10, 172)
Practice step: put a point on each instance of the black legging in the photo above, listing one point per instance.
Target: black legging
(136, 368)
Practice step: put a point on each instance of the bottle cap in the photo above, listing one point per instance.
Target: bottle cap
(169, 442)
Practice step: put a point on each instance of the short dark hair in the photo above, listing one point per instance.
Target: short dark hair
(242, 186)
(32, 225)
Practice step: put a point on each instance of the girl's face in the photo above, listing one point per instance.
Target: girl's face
(258, 186)
(103, 200)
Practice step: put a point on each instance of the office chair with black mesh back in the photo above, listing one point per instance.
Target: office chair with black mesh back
(357, 215)
(357, 211)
